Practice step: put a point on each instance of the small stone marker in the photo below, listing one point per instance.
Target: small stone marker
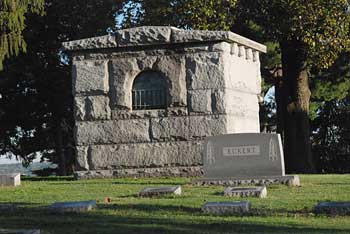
(161, 191)
(227, 208)
(79, 206)
(19, 231)
(245, 158)
(333, 208)
(13, 179)
(246, 192)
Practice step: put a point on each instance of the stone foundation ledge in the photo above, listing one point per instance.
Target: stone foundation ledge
(290, 180)
(193, 171)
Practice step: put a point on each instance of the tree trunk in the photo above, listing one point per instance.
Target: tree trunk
(295, 106)
(62, 170)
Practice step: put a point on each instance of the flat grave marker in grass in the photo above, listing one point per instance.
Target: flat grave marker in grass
(333, 208)
(76, 207)
(19, 231)
(227, 208)
(160, 191)
(260, 191)
(12, 179)
(245, 158)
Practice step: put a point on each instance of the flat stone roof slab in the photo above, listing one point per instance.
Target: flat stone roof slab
(159, 35)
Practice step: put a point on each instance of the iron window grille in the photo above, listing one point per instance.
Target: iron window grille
(149, 91)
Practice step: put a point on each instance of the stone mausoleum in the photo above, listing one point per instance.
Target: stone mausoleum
(146, 97)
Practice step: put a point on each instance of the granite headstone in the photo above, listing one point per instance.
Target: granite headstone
(245, 158)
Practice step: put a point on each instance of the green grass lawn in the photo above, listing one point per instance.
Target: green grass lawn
(285, 210)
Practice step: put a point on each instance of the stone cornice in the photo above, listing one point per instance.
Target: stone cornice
(159, 35)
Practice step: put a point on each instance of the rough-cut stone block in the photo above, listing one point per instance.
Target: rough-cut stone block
(241, 74)
(207, 125)
(200, 101)
(107, 41)
(173, 68)
(82, 160)
(79, 108)
(143, 36)
(205, 71)
(168, 129)
(13, 179)
(246, 192)
(239, 124)
(114, 131)
(97, 108)
(227, 208)
(180, 153)
(160, 191)
(261, 180)
(333, 208)
(90, 77)
(76, 207)
(19, 231)
(176, 171)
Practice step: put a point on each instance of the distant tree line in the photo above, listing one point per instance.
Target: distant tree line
(307, 63)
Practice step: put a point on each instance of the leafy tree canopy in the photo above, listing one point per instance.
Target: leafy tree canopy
(12, 24)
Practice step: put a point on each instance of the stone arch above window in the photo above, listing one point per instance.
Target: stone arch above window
(149, 91)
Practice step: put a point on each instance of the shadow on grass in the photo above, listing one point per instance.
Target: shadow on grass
(160, 183)
(48, 178)
(107, 221)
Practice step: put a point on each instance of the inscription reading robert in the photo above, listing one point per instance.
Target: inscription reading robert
(249, 150)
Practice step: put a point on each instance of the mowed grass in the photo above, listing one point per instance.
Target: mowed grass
(285, 210)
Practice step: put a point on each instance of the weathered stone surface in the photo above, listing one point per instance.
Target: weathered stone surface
(76, 207)
(243, 155)
(158, 35)
(107, 41)
(19, 231)
(146, 35)
(181, 153)
(124, 71)
(238, 67)
(122, 74)
(13, 179)
(90, 77)
(333, 208)
(79, 108)
(114, 131)
(198, 36)
(260, 180)
(200, 101)
(170, 129)
(211, 83)
(205, 71)
(207, 125)
(173, 67)
(160, 191)
(260, 192)
(81, 156)
(227, 208)
(177, 171)
(97, 108)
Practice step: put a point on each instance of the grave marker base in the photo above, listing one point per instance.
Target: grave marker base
(290, 180)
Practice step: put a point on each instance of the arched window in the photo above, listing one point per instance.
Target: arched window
(149, 91)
